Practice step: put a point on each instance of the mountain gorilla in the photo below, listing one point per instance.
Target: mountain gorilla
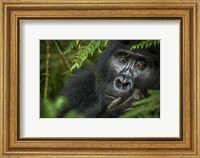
(118, 78)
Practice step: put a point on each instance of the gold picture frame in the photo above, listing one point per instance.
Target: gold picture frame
(12, 12)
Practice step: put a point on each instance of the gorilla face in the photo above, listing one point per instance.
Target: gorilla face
(129, 70)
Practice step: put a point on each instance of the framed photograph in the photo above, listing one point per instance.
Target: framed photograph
(99, 79)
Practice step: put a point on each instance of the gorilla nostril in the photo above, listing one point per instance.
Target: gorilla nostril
(118, 83)
(125, 85)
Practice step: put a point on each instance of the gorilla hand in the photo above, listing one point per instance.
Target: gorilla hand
(117, 105)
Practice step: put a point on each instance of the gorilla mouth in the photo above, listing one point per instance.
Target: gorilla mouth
(113, 96)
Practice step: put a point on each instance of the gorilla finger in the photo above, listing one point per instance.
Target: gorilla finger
(114, 103)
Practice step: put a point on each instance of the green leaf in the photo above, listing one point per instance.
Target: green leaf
(145, 44)
(146, 108)
(60, 101)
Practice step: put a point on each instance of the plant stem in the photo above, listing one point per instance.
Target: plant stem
(47, 68)
(61, 53)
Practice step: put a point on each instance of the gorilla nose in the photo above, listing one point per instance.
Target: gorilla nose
(123, 83)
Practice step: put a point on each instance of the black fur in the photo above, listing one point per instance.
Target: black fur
(87, 88)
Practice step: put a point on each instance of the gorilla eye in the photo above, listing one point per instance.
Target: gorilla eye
(123, 60)
(141, 66)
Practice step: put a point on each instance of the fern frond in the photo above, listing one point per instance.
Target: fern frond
(145, 44)
(87, 49)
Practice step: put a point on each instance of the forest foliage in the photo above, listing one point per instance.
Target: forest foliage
(59, 59)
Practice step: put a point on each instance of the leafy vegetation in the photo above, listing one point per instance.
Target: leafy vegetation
(146, 108)
(145, 44)
(59, 59)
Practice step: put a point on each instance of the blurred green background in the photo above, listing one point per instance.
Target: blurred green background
(59, 59)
